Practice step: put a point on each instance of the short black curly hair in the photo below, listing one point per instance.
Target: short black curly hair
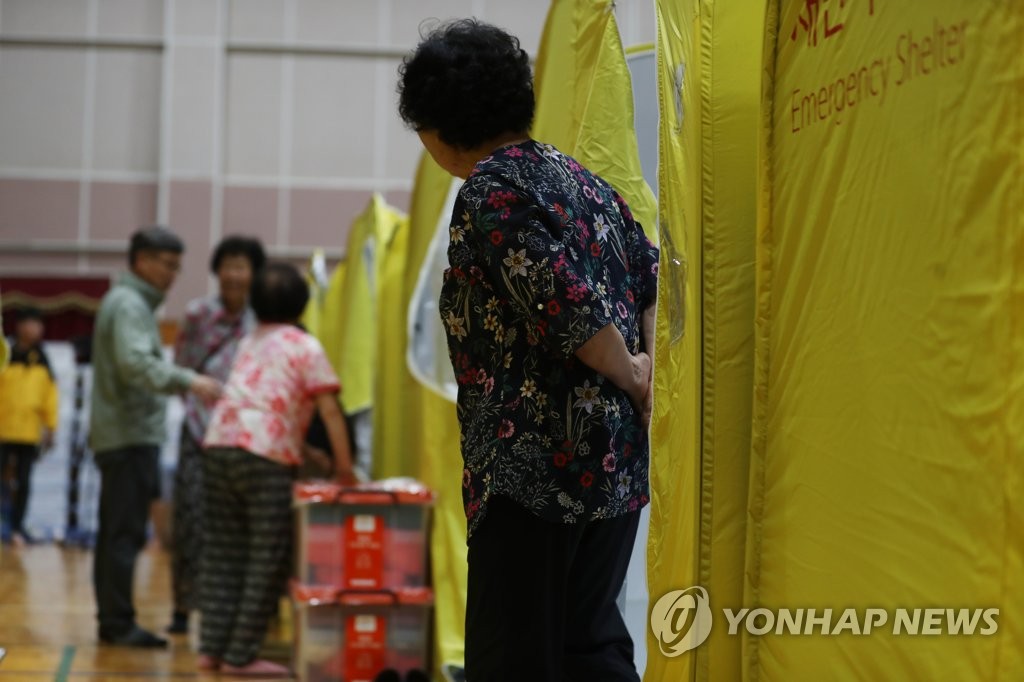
(469, 81)
(238, 245)
(279, 293)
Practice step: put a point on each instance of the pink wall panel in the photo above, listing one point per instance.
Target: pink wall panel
(189, 213)
(33, 264)
(400, 199)
(116, 209)
(251, 211)
(192, 281)
(323, 217)
(189, 216)
(38, 209)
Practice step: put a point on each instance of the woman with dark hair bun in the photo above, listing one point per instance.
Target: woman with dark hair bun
(548, 305)
(208, 341)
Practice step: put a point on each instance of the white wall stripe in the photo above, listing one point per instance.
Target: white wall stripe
(76, 174)
(93, 41)
(200, 41)
(381, 94)
(219, 123)
(318, 182)
(318, 49)
(116, 247)
(140, 177)
(166, 116)
(284, 162)
(1, 23)
(88, 136)
(234, 46)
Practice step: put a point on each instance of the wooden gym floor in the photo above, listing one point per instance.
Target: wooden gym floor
(48, 626)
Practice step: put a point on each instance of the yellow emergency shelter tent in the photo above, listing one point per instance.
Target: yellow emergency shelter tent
(392, 452)
(708, 88)
(839, 410)
(585, 99)
(839, 416)
(888, 432)
(5, 350)
(369, 241)
(431, 438)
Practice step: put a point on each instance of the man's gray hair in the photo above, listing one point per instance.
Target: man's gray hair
(154, 239)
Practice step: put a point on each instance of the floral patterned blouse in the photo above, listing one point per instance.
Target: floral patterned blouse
(543, 254)
(208, 342)
(269, 399)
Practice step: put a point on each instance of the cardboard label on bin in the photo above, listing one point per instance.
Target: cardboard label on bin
(364, 552)
(365, 647)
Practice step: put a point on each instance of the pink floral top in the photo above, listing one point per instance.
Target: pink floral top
(269, 397)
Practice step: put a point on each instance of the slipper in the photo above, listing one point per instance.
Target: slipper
(258, 668)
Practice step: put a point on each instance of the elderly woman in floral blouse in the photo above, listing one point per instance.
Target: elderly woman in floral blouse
(549, 311)
(209, 339)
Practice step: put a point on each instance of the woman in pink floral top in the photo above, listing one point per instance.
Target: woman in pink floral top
(253, 444)
(549, 311)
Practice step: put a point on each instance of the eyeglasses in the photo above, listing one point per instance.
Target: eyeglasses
(172, 264)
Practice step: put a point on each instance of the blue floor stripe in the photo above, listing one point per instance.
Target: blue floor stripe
(65, 664)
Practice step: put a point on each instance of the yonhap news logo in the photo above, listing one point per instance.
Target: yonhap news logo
(681, 620)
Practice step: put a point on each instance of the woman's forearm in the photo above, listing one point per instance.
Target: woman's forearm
(337, 431)
(607, 354)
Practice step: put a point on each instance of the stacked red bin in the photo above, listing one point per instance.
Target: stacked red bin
(362, 604)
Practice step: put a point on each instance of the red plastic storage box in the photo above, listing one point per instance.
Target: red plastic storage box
(373, 536)
(345, 636)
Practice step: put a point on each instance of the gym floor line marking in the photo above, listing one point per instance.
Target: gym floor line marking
(65, 664)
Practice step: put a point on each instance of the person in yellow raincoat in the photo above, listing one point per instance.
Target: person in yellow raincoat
(28, 419)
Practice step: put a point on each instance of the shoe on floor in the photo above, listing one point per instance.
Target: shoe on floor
(454, 673)
(179, 623)
(258, 668)
(205, 663)
(135, 637)
(22, 538)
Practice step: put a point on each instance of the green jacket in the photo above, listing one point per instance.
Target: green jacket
(130, 374)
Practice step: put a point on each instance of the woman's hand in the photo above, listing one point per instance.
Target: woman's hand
(207, 388)
(639, 390)
(606, 352)
(337, 434)
(347, 476)
(647, 410)
(319, 459)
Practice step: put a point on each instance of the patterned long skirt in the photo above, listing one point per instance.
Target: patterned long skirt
(246, 551)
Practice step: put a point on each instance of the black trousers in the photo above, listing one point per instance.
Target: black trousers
(187, 527)
(16, 460)
(129, 484)
(541, 599)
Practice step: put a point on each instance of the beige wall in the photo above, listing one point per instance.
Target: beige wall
(269, 117)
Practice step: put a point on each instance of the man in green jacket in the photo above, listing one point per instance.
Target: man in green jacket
(131, 379)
